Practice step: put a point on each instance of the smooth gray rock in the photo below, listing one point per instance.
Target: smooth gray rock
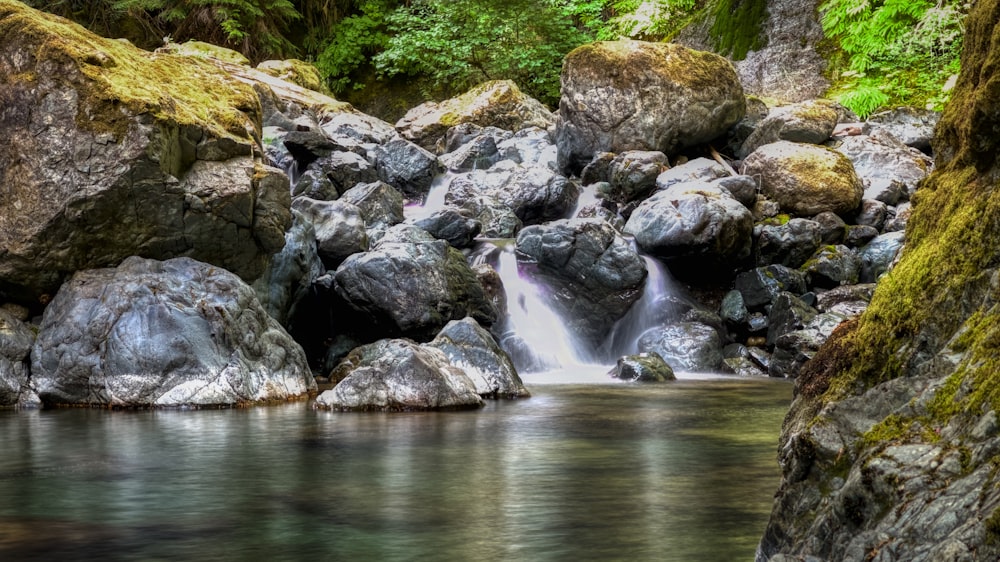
(788, 313)
(789, 244)
(859, 235)
(452, 226)
(633, 95)
(872, 212)
(686, 346)
(702, 170)
(878, 256)
(530, 146)
(833, 229)
(810, 122)
(339, 228)
(733, 310)
(471, 348)
(172, 333)
(479, 152)
(692, 219)
(832, 266)
(407, 167)
(912, 126)
(880, 157)
(743, 367)
(399, 375)
(412, 288)
(536, 194)
(762, 285)
(329, 177)
(633, 173)
(381, 206)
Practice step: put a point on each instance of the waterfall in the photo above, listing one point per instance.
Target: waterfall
(649, 311)
(435, 198)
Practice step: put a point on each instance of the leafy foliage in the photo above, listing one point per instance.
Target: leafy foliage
(352, 42)
(904, 49)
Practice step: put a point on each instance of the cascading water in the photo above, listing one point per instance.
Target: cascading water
(536, 336)
(435, 198)
(650, 310)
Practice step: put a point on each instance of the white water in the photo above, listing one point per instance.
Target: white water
(435, 198)
(644, 314)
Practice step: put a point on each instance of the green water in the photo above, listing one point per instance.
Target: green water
(683, 471)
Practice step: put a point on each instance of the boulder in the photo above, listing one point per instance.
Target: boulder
(805, 179)
(699, 170)
(530, 146)
(733, 310)
(790, 244)
(644, 367)
(810, 122)
(878, 255)
(633, 174)
(692, 220)
(331, 175)
(911, 126)
(471, 348)
(762, 285)
(399, 375)
(871, 213)
(498, 103)
(685, 346)
(833, 229)
(881, 157)
(163, 333)
(98, 166)
(537, 194)
(788, 313)
(412, 288)
(381, 206)
(339, 228)
(407, 167)
(634, 95)
(290, 274)
(594, 272)
(742, 367)
(479, 152)
(859, 235)
(295, 71)
(452, 226)
(16, 339)
(832, 266)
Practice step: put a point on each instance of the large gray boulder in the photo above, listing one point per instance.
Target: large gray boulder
(399, 375)
(498, 103)
(339, 228)
(692, 220)
(805, 179)
(172, 333)
(407, 167)
(881, 157)
(98, 166)
(16, 339)
(685, 346)
(471, 348)
(594, 272)
(634, 95)
(413, 288)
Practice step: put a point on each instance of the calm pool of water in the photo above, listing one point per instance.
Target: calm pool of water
(683, 471)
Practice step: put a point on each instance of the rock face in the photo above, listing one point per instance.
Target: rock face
(889, 451)
(98, 166)
(171, 333)
(394, 375)
(805, 179)
(16, 339)
(594, 272)
(679, 98)
(499, 103)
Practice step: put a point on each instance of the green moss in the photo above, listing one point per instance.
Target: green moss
(737, 27)
(116, 80)
(992, 528)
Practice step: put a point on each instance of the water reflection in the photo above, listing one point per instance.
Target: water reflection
(683, 471)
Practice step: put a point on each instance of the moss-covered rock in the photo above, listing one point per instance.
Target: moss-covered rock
(112, 151)
(897, 426)
(498, 103)
(635, 95)
(297, 72)
(805, 179)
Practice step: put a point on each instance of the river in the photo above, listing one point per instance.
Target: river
(683, 471)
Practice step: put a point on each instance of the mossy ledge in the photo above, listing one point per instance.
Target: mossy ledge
(117, 80)
(896, 415)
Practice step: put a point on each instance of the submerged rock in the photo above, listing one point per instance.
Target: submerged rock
(399, 375)
(171, 333)
(644, 367)
(634, 95)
